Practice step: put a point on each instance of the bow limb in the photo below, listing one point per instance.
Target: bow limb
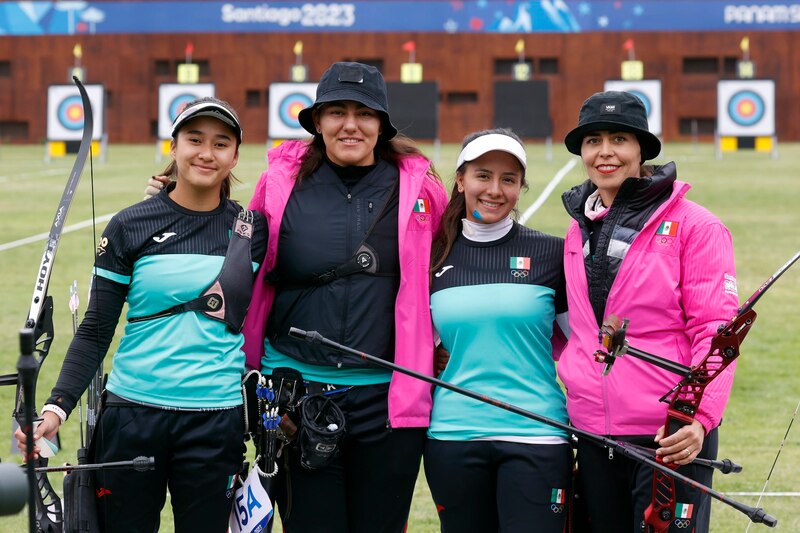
(37, 335)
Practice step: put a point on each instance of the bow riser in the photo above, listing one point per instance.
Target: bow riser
(684, 400)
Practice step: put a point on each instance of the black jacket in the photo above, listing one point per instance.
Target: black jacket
(325, 221)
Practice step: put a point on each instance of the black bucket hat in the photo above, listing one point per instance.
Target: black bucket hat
(614, 111)
(351, 81)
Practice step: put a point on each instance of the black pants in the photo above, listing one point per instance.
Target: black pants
(617, 491)
(197, 455)
(368, 486)
(499, 486)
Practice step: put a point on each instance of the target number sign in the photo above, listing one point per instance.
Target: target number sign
(65, 112)
(649, 92)
(172, 98)
(286, 100)
(746, 108)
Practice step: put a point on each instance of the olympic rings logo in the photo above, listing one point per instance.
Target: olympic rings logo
(683, 523)
(519, 273)
(556, 508)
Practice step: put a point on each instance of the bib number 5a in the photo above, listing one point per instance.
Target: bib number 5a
(252, 508)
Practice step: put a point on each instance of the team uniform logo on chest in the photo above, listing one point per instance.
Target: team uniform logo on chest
(422, 210)
(443, 270)
(668, 228)
(666, 231)
(164, 236)
(520, 266)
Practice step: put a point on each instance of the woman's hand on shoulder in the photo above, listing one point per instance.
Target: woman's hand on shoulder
(154, 185)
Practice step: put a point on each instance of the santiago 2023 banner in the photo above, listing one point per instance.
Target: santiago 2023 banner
(454, 16)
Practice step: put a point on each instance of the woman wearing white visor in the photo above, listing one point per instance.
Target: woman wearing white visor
(497, 298)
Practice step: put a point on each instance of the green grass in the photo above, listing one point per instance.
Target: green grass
(757, 197)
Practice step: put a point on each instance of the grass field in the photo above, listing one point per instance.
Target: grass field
(756, 197)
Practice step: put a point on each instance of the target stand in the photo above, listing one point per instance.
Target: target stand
(65, 121)
(286, 100)
(746, 117)
(415, 111)
(524, 106)
(172, 98)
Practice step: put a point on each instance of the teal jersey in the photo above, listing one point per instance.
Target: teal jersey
(167, 255)
(494, 305)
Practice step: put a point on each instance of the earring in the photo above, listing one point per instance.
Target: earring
(460, 188)
(319, 130)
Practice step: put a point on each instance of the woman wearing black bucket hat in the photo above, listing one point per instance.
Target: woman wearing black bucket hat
(638, 249)
(351, 213)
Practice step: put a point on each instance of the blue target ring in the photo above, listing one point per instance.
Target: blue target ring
(290, 107)
(746, 108)
(178, 103)
(70, 113)
(648, 107)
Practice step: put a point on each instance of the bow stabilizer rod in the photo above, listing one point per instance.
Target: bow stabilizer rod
(755, 514)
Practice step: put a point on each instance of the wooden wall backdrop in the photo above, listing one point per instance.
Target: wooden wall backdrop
(243, 65)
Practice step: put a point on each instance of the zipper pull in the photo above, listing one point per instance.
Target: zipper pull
(611, 454)
(349, 198)
(369, 207)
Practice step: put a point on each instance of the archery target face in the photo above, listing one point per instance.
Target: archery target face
(649, 92)
(172, 98)
(65, 112)
(286, 100)
(746, 108)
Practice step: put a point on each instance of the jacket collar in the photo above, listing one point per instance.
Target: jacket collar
(637, 193)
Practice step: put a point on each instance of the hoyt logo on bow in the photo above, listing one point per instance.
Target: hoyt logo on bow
(37, 336)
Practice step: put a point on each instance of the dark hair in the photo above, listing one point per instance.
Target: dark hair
(456, 208)
(393, 151)
(171, 169)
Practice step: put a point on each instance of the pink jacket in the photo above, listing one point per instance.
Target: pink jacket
(676, 291)
(409, 398)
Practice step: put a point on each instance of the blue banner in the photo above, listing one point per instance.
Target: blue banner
(454, 16)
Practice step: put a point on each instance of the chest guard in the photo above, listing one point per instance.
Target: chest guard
(228, 297)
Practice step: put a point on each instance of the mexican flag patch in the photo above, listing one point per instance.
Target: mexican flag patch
(683, 510)
(557, 496)
(520, 263)
(668, 228)
(422, 206)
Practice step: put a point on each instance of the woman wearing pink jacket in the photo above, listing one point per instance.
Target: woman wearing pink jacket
(351, 215)
(638, 249)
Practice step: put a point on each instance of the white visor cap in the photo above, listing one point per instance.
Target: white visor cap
(488, 143)
(208, 109)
